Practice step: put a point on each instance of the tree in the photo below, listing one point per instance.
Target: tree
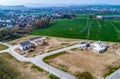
(3, 33)
(28, 29)
(41, 23)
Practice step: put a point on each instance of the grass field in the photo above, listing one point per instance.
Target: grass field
(10, 68)
(36, 13)
(8, 71)
(2, 47)
(83, 28)
(111, 70)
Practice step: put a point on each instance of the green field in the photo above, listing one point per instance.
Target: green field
(2, 47)
(83, 28)
(36, 13)
(7, 70)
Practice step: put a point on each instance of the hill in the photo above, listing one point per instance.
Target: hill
(13, 7)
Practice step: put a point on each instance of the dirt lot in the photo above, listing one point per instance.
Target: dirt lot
(54, 43)
(28, 70)
(78, 60)
(57, 43)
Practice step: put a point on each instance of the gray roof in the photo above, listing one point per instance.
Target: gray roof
(34, 38)
(115, 75)
(25, 43)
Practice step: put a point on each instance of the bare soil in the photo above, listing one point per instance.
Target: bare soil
(78, 60)
(54, 43)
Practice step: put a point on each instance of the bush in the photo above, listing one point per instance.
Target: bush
(85, 75)
(53, 77)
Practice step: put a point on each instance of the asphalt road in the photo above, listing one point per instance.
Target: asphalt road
(38, 60)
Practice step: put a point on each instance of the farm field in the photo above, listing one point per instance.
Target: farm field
(83, 28)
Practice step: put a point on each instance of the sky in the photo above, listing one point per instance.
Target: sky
(25, 2)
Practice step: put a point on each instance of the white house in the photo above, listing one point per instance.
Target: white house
(37, 40)
(25, 45)
(84, 45)
(99, 47)
(99, 17)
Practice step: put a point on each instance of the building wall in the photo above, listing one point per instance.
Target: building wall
(25, 47)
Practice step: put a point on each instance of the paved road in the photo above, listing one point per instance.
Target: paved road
(6, 44)
(11, 51)
(114, 75)
(18, 56)
(38, 60)
(4, 51)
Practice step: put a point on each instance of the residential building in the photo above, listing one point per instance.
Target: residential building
(25, 45)
(99, 17)
(37, 40)
(84, 45)
(99, 47)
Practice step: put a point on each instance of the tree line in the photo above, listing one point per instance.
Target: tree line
(16, 31)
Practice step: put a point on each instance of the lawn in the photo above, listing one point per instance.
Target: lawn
(81, 28)
(7, 70)
(2, 47)
(10, 68)
(110, 71)
(53, 56)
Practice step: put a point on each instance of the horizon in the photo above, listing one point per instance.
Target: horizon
(54, 2)
(37, 5)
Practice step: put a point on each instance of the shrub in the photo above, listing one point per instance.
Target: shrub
(53, 77)
(84, 75)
